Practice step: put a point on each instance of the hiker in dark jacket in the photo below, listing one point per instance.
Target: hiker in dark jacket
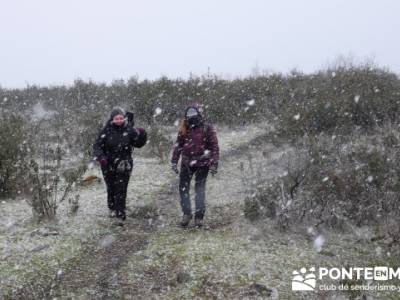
(113, 150)
(197, 145)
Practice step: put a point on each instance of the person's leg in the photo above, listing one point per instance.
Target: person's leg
(200, 190)
(120, 191)
(109, 179)
(185, 177)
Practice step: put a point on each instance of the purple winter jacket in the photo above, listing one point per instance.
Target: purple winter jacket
(198, 148)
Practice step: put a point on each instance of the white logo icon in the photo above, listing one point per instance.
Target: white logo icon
(304, 281)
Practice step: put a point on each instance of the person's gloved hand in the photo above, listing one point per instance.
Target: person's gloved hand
(213, 170)
(174, 167)
(103, 162)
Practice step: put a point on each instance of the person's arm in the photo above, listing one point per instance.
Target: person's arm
(214, 148)
(98, 147)
(138, 137)
(130, 118)
(177, 149)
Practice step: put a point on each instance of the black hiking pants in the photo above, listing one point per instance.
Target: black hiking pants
(117, 186)
(185, 176)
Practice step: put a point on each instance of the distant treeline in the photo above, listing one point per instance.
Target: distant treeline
(332, 99)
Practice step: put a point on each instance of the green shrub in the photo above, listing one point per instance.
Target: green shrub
(15, 152)
(159, 143)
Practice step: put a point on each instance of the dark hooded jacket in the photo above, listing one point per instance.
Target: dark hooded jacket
(115, 143)
(199, 146)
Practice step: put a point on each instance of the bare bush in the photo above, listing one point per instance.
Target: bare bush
(340, 182)
(50, 185)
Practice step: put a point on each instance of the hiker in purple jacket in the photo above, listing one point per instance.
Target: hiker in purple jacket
(197, 145)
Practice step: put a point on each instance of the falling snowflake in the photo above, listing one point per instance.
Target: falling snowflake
(310, 230)
(176, 123)
(319, 242)
(157, 111)
(325, 179)
(296, 117)
(370, 178)
(356, 98)
(251, 102)
(106, 241)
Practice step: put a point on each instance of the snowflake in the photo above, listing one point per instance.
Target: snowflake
(251, 102)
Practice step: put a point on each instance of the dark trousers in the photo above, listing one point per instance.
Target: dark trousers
(185, 177)
(117, 186)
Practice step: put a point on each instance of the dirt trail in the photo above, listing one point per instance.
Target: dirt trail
(98, 273)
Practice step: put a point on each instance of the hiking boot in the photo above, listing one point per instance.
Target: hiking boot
(119, 222)
(121, 215)
(198, 222)
(112, 213)
(186, 220)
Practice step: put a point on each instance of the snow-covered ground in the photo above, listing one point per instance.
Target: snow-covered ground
(83, 256)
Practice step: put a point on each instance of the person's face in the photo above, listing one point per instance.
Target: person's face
(119, 120)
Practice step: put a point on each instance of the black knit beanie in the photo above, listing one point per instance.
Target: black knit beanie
(117, 111)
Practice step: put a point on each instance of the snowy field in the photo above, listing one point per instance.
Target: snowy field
(84, 256)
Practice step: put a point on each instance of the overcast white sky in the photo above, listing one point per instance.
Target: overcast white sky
(56, 41)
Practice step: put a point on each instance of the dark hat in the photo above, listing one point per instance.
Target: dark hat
(117, 110)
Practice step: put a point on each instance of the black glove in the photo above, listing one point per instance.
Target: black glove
(174, 167)
(213, 170)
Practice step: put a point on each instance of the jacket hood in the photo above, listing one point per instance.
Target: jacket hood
(197, 106)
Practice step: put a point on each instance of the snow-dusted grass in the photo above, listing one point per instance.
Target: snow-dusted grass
(231, 255)
(226, 262)
(29, 251)
(229, 258)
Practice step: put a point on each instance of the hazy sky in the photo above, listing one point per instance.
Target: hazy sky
(56, 41)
